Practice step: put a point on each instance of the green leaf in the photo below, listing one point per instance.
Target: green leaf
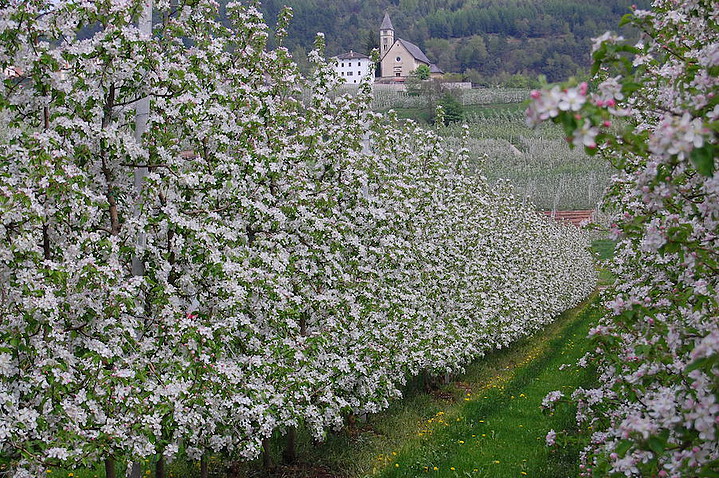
(703, 362)
(630, 87)
(623, 447)
(657, 445)
(626, 19)
(569, 123)
(597, 57)
(628, 49)
(703, 159)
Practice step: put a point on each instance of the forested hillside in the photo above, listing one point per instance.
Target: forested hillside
(484, 40)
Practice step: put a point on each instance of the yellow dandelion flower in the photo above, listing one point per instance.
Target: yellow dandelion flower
(435, 468)
(396, 465)
(496, 462)
(461, 441)
(451, 468)
(524, 473)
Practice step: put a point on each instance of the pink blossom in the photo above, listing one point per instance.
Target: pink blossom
(551, 438)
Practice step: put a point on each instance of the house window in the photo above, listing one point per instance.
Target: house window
(343, 65)
(359, 73)
(399, 58)
(349, 73)
(398, 74)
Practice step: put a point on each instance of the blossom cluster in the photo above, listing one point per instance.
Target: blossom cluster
(300, 257)
(657, 410)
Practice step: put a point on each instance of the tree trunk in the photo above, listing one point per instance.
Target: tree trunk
(289, 455)
(135, 470)
(160, 467)
(204, 468)
(233, 470)
(266, 457)
(427, 382)
(110, 467)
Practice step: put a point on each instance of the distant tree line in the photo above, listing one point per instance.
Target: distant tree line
(485, 41)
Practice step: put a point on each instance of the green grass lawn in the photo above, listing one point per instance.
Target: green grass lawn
(499, 429)
(604, 250)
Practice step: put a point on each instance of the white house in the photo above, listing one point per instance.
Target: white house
(352, 66)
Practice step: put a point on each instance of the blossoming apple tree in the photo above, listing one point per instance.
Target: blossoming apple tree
(655, 114)
(301, 257)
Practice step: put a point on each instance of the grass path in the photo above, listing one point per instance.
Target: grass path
(489, 423)
(499, 430)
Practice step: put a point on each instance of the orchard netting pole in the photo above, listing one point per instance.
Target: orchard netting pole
(142, 111)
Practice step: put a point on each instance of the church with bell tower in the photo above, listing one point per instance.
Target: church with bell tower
(386, 35)
(398, 57)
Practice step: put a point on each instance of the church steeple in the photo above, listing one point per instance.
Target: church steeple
(386, 35)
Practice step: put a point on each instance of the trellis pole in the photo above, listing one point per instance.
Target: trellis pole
(142, 112)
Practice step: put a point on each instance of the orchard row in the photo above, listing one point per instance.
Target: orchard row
(247, 263)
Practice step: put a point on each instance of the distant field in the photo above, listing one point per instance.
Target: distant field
(537, 162)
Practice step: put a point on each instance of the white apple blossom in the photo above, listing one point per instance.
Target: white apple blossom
(572, 100)
(551, 438)
(656, 406)
(586, 135)
(303, 255)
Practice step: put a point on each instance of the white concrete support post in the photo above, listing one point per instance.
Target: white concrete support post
(142, 112)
